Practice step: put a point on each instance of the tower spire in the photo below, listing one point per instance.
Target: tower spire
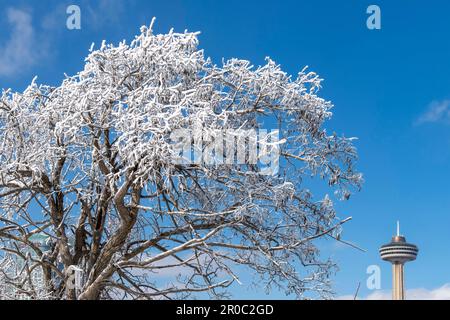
(398, 228)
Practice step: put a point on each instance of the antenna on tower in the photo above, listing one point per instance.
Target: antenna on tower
(398, 228)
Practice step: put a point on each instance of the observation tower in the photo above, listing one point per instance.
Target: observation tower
(398, 252)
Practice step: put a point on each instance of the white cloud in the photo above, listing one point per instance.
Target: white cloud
(168, 267)
(21, 49)
(441, 293)
(345, 297)
(438, 111)
(54, 22)
(104, 13)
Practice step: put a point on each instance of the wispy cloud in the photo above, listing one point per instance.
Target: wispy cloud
(441, 293)
(104, 12)
(17, 53)
(23, 48)
(437, 112)
(28, 43)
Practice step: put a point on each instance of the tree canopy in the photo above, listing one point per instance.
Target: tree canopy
(91, 164)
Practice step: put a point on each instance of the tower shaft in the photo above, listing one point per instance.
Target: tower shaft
(397, 282)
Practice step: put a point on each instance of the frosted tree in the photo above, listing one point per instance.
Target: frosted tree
(91, 165)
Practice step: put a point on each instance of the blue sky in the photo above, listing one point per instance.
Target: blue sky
(390, 88)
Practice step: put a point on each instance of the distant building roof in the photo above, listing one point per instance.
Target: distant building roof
(42, 240)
